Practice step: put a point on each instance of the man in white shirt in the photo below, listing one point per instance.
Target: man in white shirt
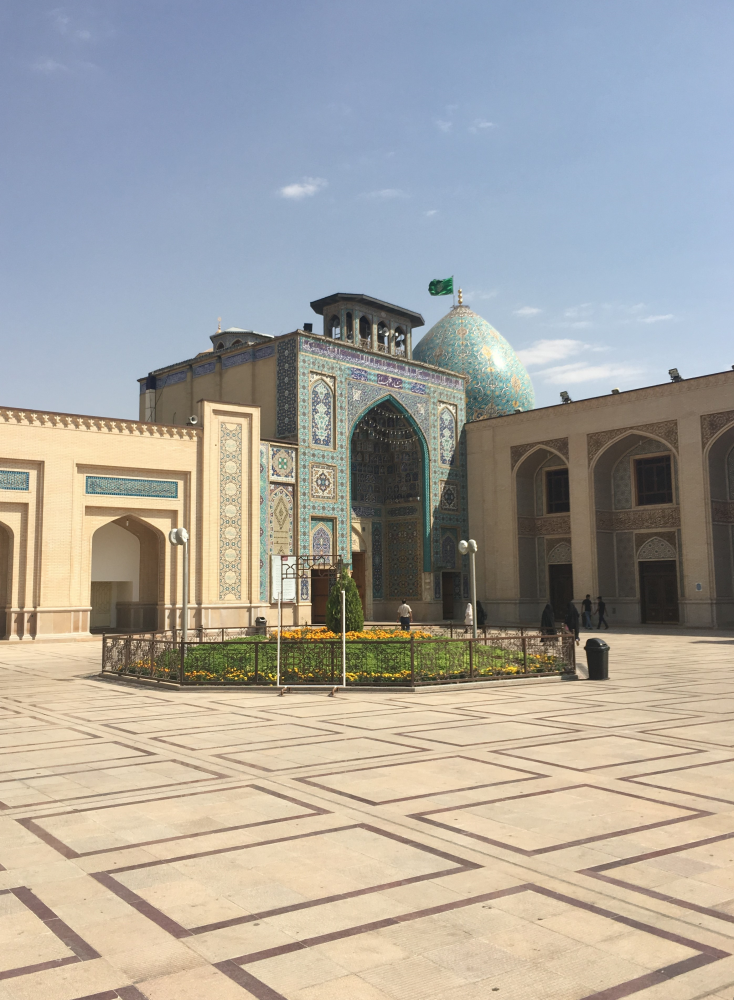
(404, 616)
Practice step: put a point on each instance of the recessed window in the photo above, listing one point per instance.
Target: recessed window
(556, 491)
(654, 477)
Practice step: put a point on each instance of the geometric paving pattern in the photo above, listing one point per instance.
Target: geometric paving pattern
(540, 839)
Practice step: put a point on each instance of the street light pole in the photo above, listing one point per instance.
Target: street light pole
(180, 536)
(471, 548)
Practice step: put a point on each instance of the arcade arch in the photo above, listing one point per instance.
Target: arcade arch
(636, 500)
(720, 469)
(545, 565)
(125, 576)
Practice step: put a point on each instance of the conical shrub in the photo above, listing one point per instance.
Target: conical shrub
(354, 615)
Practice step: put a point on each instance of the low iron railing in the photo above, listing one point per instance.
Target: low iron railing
(409, 662)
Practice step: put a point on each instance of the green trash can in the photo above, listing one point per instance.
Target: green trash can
(597, 659)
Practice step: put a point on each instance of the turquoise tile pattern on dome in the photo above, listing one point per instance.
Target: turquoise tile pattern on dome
(464, 343)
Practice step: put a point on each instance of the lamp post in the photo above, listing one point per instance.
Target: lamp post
(471, 548)
(180, 536)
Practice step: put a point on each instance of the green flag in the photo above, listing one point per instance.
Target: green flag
(441, 287)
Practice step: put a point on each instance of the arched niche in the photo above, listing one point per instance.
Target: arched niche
(542, 509)
(635, 486)
(365, 331)
(720, 470)
(125, 576)
(388, 455)
(334, 328)
(6, 579)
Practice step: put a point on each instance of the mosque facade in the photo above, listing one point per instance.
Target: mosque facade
(347, 445)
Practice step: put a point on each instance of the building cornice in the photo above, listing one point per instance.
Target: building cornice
(98, 425)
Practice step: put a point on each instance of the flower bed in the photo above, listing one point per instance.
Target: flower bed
(377, 658)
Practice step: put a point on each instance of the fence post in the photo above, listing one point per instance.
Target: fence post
(257, 652)
(222, 635)
(524, 655)
(412, 661)
(126, 661)
(181, 667)
(471, 657)
(331, 644)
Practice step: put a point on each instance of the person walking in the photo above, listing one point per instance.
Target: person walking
(481, 615)
(586, 610)
(548, 621)
(572, 620)
(468, 617)
(404, 616)
(601, 609)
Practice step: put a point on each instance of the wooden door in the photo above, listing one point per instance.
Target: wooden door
(659, 591)
(319, 595)
(447, 590)
(560, 585)
(359, 574)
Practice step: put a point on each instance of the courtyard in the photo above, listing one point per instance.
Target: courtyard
(528, 839)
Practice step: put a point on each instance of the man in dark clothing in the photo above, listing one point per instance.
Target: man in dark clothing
(548, 621)
(586, 608)
(481, 615)
(572, 620)
(601, 611)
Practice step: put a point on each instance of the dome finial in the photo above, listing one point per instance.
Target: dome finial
(219, 325)
(461, 298)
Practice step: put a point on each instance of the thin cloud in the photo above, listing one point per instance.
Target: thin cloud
(306, 188)
(544, 351)
(385, 194)
(48, 67)
(582, 311)
(580, 371)
(481, 296)
(657, 319)
(62, 22)
(480, 126)
(444, 126)
(430, 212)
(527, 311)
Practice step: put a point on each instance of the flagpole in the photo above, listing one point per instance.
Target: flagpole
(453, 289)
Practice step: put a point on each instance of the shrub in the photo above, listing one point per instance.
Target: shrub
(353, 613)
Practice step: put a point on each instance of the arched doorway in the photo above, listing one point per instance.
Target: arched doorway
(388, 507)
(721, 490)
(545, 564)
(6, 580)
(638, 539)
(125, 577)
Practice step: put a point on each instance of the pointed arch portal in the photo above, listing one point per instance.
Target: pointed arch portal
(389, 481)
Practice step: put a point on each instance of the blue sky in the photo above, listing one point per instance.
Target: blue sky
(166, 162)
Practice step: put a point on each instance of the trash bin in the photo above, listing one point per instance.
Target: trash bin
(597, 659)
(261, 625)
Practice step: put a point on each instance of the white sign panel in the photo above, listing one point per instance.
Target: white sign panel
(283, 579)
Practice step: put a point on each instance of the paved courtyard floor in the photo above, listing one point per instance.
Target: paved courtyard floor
(523, 840)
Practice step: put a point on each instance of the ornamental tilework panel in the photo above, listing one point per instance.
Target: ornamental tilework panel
(287, 382)
(328, 349)
(402, 511)
(263, 522)
(322, 537)
(113, 486)
(404, 559)
(437, 586)
(12, 480)
(449, 548)
(322, 412)
(360, 510)
(377, 578)
(280, 520)
(446, 434)
(359, 397)
(230, 512)
(450, 496)
(282, 464)
(323, 481)
(206, 369)
(656, 548)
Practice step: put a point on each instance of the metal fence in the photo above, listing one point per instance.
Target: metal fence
(252, 660)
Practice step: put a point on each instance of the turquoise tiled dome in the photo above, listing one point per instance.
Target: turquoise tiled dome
(465, 343)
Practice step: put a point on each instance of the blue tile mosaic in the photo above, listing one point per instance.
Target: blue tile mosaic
(401, 511)
(360, 510)
(463, 342)
(322, 414)
(206, 369)
(328, 349)
(377, 581)
(287, 385)
(263, 522)
(117, 486)
(172, 379)
(12, 480)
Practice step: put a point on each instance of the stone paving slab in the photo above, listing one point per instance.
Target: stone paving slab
(539, 840)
